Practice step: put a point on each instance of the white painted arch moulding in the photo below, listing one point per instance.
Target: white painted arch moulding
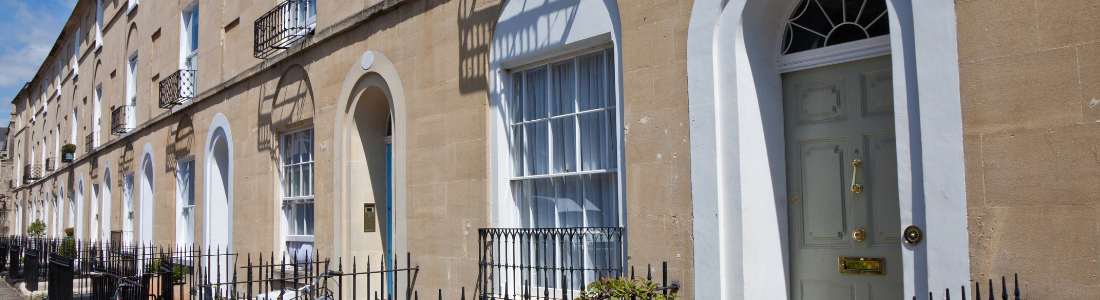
(732, 65)
(382, 74)
(145, 205)
(219, 127)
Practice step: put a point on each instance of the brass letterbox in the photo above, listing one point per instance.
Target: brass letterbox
(369, 216)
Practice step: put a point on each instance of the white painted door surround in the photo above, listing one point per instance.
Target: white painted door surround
(737, 121)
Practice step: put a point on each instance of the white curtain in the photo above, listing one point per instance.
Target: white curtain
(185, 183)
(563, 122)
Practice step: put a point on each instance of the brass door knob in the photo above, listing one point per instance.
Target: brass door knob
(912, 235)
(859, 235)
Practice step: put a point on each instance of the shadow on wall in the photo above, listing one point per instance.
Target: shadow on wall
(179, 144)
(526, 37)
(475, 34)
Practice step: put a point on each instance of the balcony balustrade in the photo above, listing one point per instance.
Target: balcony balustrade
(51, 164)
(281, 27)
(177, 88)
(560, 261)
(90, 141)
(120, 118)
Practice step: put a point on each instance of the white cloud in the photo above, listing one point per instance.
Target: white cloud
(30, 32)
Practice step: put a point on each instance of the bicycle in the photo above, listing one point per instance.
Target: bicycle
(317, 290)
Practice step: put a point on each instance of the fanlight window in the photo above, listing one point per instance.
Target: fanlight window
(821, 23)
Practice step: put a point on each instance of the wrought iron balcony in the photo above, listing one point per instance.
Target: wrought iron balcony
(32, 172)
(120, 117)
(51, 164)
(177, 88)
(562, 260)
(281, 27)
(90, 142)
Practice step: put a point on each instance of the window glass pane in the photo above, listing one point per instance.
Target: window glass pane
(609, 70)
(295, 181)
(307, 145)
(612, 138)
(569, 204)
(535, 94)
(307, 179)
(517, 97)
(593, 140)
(591, 80)
(194, 30)
(517, 150)
(564, 139)
(562, 87)
(287, 149)
(601, 208)
(542, 198)
(308, 218)
(537, 149)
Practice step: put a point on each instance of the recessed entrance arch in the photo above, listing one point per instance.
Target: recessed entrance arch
(740, 181)
(371, 100)
(218, 196)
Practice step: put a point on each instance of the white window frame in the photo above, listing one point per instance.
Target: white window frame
(76, 54)
(131, 91)
(73, 135)
(130, 5)
(288, 202)
(97, 115)
(611, 142)
(187, 26)
(98, 25)
(183, 224)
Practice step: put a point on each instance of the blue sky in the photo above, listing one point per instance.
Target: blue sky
(28, 30)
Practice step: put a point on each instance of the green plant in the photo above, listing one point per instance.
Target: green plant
(68, 246)
(155, 267)
(37, 229)
(622, 288)
(68, 148)
(177, 274)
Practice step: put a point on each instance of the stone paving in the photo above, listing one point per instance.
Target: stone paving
(7, 292)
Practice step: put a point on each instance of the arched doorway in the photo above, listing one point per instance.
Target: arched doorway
(736, 89)
(218, 200)
(370, 96)
(366, 169)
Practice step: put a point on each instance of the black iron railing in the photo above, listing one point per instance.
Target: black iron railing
(120, 118)
(51, 164)
(177, 88)
(281, 27)
(32, 172)
(105, 270)
(89, 142)
(547, 262)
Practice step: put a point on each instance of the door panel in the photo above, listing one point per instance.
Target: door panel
(827, 290)
(823, 213)
(822, 100)
(882, 156)
(834, 116)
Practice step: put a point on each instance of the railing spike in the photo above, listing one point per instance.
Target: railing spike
(1004, 289)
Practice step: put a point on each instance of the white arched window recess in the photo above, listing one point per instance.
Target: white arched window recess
(79, 193)
(145, 204)
(105, 203)
(556, 129)
(218, 186)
